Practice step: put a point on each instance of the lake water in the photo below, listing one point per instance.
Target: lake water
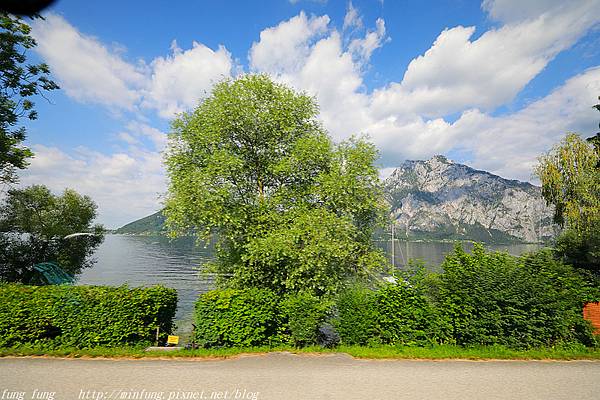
(144, 261)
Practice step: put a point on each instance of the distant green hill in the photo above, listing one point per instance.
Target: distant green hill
(150, 225)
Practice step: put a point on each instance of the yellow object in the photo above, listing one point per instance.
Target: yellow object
(173, 339)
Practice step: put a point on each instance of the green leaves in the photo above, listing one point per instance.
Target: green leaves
(84, 316)
(253, 166)
(18, 83)
(33, 223)
(230, 318)
(494, 298)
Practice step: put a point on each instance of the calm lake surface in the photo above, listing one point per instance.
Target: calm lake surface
(146, 261)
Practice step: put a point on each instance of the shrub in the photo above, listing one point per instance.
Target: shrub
(304, 313)
(236, 318)
(84, 316)
(405, 315)
(357, 315)
(494, 298)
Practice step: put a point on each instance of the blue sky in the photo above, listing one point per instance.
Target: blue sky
(491, 84)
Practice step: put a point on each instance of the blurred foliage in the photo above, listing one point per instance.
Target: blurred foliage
(33, 226)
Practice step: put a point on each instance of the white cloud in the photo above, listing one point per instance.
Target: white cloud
(285, 47)
(180, 80)
(518, 10)
(509, 145)
(85, 68)
(457, 73)
(126, 186)
(364, 47)
(352, 19)
(91, 72)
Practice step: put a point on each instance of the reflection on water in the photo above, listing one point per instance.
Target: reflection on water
(145, 261)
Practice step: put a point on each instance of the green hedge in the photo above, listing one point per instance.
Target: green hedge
(356, 320)
(494, 298)
(258, 317)
(236, 318)
(301, 316)
(396, 313)
(480, 298)
(84, 316)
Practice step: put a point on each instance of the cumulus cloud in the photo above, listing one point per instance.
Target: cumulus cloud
(180, 80)
(91, 72)
(510, 144)
(352, 19)
(284, 48)
(457, 73)
(85, 68)
(364, 47)
(407, 119)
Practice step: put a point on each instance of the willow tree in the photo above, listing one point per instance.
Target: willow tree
(290, 209)
(570, 180)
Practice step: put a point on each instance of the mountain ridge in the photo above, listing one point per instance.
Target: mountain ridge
(438, 199)
(441, 199)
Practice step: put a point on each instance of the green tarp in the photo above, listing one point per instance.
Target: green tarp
(52, 274)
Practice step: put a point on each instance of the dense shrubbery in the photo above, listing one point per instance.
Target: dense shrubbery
(84, 316)
(255, 317)
(396, 313)
(480, 298)
(232, 317)
(302, 315)
(494, 298)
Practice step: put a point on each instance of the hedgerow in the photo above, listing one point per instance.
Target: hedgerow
(84, 316)
(480, 298)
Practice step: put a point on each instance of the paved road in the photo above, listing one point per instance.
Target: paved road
(286, 376)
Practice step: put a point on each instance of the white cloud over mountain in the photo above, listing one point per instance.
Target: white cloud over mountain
(460, 74)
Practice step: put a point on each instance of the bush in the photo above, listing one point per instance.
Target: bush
(236, 318)
(405, 314)
(357, 315)
(494, 298)
(396, 313)
(84, 316)
(304, 314)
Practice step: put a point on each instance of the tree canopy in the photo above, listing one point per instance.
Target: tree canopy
(570, 177)
(290, 209)
(19, 83)
(571, 181)
(33, 225)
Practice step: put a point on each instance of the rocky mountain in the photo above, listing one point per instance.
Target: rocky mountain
(440, 199)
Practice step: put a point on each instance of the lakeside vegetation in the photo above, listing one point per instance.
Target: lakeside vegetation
(294, 215)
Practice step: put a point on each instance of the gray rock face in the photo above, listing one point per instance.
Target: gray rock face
(441, 199)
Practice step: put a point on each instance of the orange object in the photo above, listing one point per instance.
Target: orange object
(591, 312)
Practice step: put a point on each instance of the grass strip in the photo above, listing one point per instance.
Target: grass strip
(440, 352)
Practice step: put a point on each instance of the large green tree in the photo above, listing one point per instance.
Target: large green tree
(35, 226)
(570, 177)
(290, 209)
(20, 82)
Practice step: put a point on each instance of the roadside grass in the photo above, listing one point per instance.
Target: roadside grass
(439, 352)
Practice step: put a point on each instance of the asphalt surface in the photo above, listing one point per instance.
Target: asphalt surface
(286, 376)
